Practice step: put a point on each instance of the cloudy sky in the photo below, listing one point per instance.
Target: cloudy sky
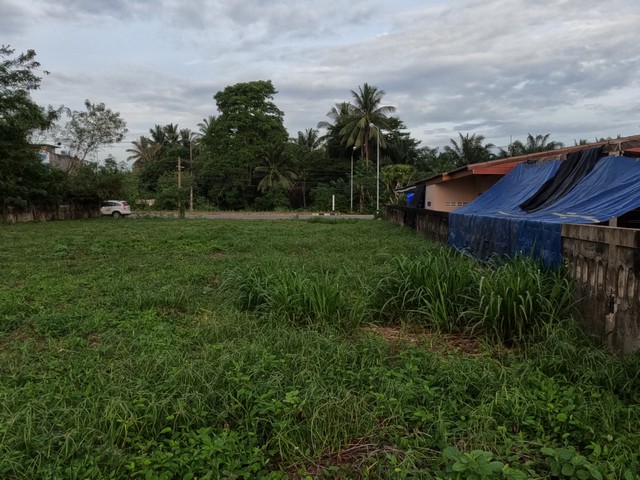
(500, 68)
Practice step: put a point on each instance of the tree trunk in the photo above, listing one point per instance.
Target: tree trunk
(365, 145)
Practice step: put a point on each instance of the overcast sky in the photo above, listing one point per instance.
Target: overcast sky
(499, 68)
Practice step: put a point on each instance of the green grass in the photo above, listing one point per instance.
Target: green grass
(168, 348)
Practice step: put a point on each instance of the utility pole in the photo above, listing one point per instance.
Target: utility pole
(371, 125)
(352, 152)
(191, 174)
(179, 169)
(180, 209)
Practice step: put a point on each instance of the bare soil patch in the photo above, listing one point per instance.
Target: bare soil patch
(437, 342)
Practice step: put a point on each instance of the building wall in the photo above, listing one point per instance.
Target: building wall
(61, 161)
(449, 195)
(604, 262)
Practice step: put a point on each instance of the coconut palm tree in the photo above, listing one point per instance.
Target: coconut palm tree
(309, 152)
(144, 151)
(272, 171)
(185, 137)
(309, 139)
(205, 124)
(539, 143)
(366, 110)
(338, 116)
(166, 136)
(470, 149)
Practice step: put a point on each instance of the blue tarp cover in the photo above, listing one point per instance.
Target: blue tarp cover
(495, 224)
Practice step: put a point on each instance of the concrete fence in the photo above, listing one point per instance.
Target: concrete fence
(431, 224)
(604, 263)
(63, 212)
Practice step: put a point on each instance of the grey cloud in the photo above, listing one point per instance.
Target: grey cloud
(81, 9)
(12, 18)
(498, 68)
(256, 25)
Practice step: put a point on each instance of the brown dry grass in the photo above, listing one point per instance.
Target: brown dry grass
(437, 342)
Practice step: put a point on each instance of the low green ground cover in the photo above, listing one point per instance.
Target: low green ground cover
(168, 348)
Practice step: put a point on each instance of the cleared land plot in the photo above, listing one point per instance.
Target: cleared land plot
(168, 348)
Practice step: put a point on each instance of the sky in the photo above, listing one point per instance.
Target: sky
(497, 68)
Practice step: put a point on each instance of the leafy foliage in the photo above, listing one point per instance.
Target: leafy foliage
(395, 176)
(249, 124)
(476, 465)
(24, 180)
(90, 183)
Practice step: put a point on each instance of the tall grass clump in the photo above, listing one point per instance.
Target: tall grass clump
(430, 289)
(316, 300)
(510, 300)
(516, 300)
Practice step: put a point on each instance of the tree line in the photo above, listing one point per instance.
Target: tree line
(241, 157)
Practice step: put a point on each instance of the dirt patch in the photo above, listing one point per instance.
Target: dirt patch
(23, 336)
(94, 340)
(352, 458)
(437, 342)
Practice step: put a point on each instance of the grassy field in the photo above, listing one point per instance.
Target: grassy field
(167, 348)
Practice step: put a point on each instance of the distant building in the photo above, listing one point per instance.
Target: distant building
(62, 161)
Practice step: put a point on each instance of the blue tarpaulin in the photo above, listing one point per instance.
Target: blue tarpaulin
(495, 224)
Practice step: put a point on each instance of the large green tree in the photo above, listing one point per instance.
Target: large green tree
(90, 182)
(395, 176)
(24, 180)
(400, 147)
(336, 162)
(249, 123)
(332, 139)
